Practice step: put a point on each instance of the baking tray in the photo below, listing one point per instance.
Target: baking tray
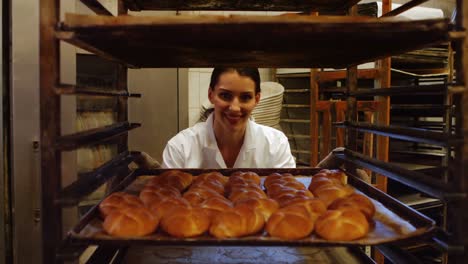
(394, 222)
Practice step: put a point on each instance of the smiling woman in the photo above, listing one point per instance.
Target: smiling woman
(228, 138)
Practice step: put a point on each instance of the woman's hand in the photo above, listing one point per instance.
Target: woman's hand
(331, 161)
(144, 161)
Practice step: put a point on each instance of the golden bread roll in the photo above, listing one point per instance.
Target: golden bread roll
(338, 175)
(160, 209)
(211, 176)
(118, 200)
(241, 185)
(320, 181)
(239, 221)
(295, 185)
(278, 188)
(175, 178)
(290, 223)
(265, 206)
(315, 207)
(185, 222)
(285, 196)
(245, 194)
(152, 194)
(197, 195)
(340, 225)
(130, 222)
(330, 193)
(214, 185)
(270, 178)
(355, 201)
(214, 205)
(247, 176)
(285, 178)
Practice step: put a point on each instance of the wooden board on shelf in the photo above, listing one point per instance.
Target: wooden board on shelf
(260, 41)
(246, 5)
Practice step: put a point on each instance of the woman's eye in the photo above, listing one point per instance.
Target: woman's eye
(246, 97)
(225, 96)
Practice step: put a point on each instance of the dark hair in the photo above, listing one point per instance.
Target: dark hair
(252, 73)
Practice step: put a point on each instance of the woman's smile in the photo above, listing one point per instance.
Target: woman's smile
(234, 98)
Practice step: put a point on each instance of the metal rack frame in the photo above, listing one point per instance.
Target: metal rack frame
(53, 197)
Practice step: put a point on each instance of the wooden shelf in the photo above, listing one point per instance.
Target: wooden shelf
(256, 41)
(246, 5)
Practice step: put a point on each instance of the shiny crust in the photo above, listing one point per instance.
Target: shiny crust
(290, 223)
(185, 222)
(117, 201)
(130, 222)
(239, 221)
(154, 194)
(328, 194)
(265, 206)
(215, 205)
(216, 176)
(164, 207)
(175, 178)
(355, 202)
(340, 225)
(198, 195)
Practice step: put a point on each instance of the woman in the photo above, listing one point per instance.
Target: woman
(229, 138)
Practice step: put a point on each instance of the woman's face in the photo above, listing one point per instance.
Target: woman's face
(234, 99)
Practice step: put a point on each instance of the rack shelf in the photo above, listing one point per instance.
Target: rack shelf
(260, 41)
(252, 5)
(94, 136)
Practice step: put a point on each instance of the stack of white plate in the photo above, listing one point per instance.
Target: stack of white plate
(268, 110)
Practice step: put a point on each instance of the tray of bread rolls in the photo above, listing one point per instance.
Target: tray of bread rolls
(292, 207)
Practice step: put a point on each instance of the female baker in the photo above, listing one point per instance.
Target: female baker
(229, 138)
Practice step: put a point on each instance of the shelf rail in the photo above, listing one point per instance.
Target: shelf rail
(404, 8)
(417, 180)
(94, 136)
(405, 133)
(70, 89)
(402, 90)
(96, 7)
(89, 182)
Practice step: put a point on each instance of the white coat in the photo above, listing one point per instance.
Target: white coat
(196, 147)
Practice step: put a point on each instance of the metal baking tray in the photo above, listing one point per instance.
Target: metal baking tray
(394, 221)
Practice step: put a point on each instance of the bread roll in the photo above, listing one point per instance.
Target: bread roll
(215, 205)
(212, 184)
(315, 207)
(330, 193)
(265, 206)
(211, 176)
(271, 178)
(247, 176)
(197, 195)
(290, 223)
(245, 194)
(320, 181)
(164, 207)
(355, 202)
(130, 222)
(175, 178)
(185, 222)
(152, 194)
(340, 225)
(285, 178)
(239, 221)
(118, 200)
